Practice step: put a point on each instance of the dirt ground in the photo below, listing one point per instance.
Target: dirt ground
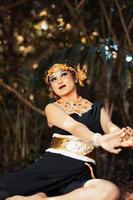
(127, 191)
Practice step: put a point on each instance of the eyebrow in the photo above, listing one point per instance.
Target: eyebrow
(54, 75)
(51, 76)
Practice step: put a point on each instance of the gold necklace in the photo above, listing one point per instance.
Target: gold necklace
(78, 106)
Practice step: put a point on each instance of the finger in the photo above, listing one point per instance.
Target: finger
(116, 151)
(128, 127)
(124, 133)
(130, 131)
(127, 143)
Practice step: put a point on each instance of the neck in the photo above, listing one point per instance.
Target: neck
(70, 97)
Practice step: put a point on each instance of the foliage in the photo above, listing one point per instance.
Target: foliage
(36, 34)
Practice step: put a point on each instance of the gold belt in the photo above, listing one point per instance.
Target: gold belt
(67, 144)
(59, 143)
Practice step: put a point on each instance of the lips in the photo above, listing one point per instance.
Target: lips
(62, 86)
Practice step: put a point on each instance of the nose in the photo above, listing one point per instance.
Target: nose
(59, 80)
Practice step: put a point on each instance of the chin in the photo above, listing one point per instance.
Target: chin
(62, 94)
(65, 92)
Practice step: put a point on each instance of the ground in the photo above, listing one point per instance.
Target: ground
(127, 191)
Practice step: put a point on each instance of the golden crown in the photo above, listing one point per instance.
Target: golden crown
(80, 73)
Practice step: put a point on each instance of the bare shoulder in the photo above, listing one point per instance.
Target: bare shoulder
(51, 107)
(51, 112)
(55, 115)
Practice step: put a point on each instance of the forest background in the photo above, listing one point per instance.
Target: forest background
(36, 34)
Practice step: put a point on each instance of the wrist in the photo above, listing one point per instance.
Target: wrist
(97, 140)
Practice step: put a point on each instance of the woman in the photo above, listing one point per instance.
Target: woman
(67, 169)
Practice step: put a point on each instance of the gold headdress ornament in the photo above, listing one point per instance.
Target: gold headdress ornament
(80, 73)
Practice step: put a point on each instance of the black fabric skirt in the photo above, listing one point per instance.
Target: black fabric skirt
(51, 173)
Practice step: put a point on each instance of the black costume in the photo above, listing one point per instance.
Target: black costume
(52, 173)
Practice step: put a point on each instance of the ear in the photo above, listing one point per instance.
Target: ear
(76, 80)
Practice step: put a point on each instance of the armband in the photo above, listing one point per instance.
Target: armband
(69, 122)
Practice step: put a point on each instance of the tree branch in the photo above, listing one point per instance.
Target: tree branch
(74, 13)
(107, 19)
(80, 4)
(3, 8)
(123, 24)
(20, 97)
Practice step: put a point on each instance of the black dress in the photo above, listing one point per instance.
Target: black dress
(52, 173)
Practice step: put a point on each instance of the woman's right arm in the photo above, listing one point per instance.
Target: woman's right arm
(56, 116)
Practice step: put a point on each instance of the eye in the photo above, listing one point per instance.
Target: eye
(53, 79)
(64, 74)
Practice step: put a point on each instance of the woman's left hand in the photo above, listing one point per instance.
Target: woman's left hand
(127, 138)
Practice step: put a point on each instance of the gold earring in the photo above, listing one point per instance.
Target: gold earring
(52, 94)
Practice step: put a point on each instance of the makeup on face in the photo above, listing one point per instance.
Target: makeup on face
(62, 82)
(61, 79)
(58, 75)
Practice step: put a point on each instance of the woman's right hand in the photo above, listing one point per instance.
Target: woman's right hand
(111, 142)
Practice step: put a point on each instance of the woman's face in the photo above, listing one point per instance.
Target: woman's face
(62, 83)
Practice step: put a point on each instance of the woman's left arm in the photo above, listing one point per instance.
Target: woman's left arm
(107, 125)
